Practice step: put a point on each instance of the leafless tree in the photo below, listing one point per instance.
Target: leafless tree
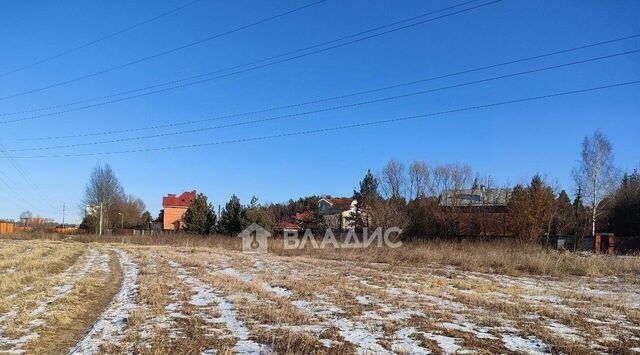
(595, 174)
(26, 215)
(392, 179)
(127, 212)
(447, 181)
(103, 189)
(418, 179)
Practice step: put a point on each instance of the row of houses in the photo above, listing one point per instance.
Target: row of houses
(491, 203)
(338, 211)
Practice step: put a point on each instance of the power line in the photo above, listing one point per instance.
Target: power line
(332, 98)
(25, 176)
(14, 195)
(327, 109)
(236, 66)
(103, 38)
(336, 128)
(243, 70)
(156, 55)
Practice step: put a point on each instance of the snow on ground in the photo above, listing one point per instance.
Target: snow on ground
(103, 263)
(447, 344)
(205, 297)
(69, 278)
(276, 290)
(109, 328)
(529, 345)
(403, 343)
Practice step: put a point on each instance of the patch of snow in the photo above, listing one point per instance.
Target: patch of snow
(530, 345)
(278, 291)
(368, 284)
(403, 343)
(103, 263)
(543, 298)
(237, 274)
(564, 330)
(203, 296)
(363, 300)
(9, 270)
(448, 345)
(70, 277)
(360, 335)
(463, 325)
(110, 326)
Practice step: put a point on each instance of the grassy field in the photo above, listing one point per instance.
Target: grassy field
(198, 295)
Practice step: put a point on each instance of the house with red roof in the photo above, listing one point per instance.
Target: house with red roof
(174, 208)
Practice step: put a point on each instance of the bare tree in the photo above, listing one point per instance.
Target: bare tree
(26, 215)
(392, 179)
(447, 182)
(103, 189)
(595, 174)
(418, 179)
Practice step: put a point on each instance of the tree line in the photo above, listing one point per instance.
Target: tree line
(425, 201)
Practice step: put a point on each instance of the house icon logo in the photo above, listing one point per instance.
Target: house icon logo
(254, 239)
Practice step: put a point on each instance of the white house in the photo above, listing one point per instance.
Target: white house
(338, 211)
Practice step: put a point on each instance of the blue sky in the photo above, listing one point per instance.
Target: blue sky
(510, 142)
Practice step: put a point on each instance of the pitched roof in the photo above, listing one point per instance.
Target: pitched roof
(184, 200)
(287, 225)
(342, 203)
(477, 197)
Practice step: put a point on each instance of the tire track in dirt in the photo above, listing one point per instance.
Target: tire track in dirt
(204, 296)
(109, 328)
(71, 277)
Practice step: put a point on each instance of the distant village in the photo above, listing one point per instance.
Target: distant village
(447, 201)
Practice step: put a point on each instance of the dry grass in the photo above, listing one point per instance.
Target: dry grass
(69, 319)
(506, 257)
(348, 301)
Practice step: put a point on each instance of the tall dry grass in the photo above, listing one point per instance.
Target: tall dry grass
(508, 257)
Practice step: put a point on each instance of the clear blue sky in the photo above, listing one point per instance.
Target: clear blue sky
(510, 143)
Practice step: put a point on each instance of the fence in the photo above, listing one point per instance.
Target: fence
(7, 227)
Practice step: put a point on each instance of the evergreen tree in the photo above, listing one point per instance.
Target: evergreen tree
(625, 211)
(90, 224)
(199, 217)
(146, 220)
(563, 221)
(231, 219)
(254, 213)
(365, 198)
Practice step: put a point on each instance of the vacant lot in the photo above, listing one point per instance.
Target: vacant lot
(121, 298)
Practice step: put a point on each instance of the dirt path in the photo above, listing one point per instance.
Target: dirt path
(80, 309)
(108, 330)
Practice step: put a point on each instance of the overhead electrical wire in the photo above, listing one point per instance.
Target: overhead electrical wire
(336, 128)
(156, 55)
(243, 70)
(327, 109)
(326, 99)
(98, 40)
(235, 66)
(26, 177)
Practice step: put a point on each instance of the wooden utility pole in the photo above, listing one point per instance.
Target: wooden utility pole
(100, 228)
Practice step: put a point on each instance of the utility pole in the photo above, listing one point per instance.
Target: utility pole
(63, 207)
(100, 228)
